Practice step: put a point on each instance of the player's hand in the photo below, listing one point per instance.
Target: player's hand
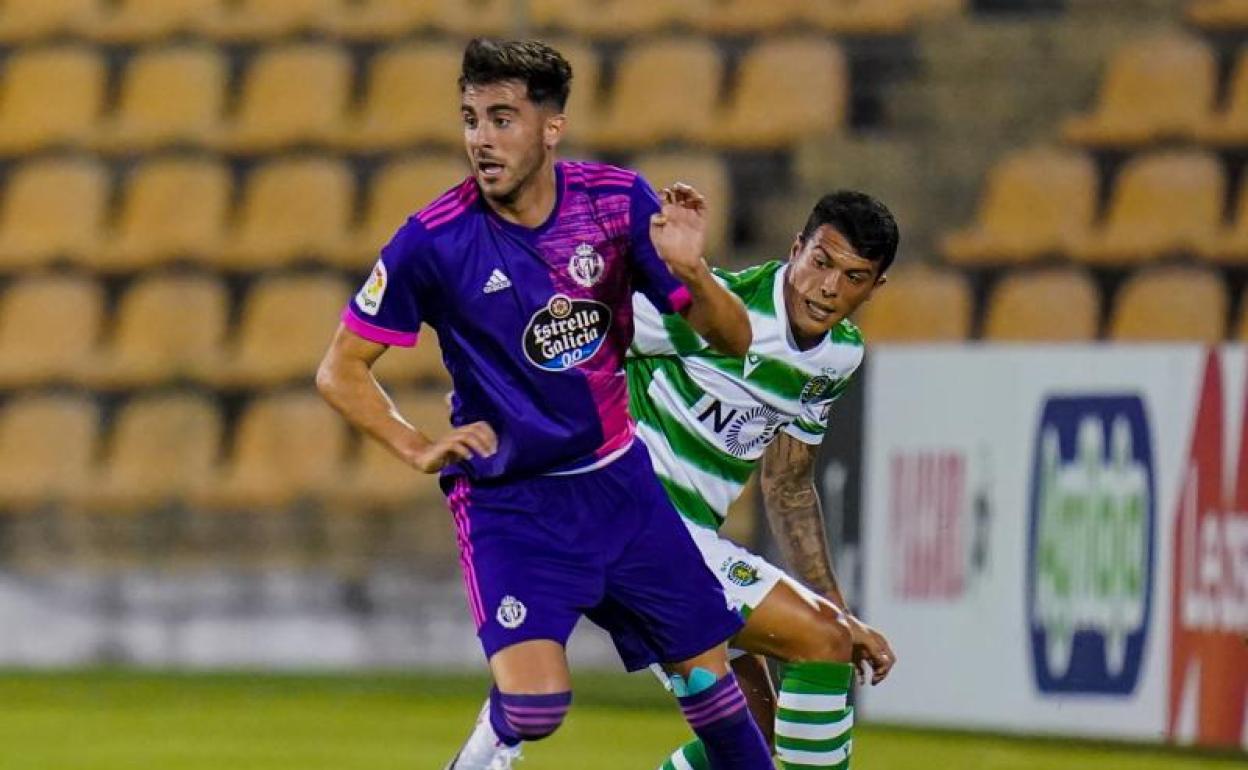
(871, 649)
(474, 440)
(678, 231)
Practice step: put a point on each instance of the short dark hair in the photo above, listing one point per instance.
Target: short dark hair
(866, 223)
(542, 69)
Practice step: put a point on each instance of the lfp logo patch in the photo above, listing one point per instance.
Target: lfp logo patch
(1090, 545)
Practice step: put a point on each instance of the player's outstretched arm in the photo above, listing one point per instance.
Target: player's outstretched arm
(787, 478)
(346, 381)
(678, 232)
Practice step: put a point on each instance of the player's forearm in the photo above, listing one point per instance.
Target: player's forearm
(796, 520)
(351, 389)
(717, 314)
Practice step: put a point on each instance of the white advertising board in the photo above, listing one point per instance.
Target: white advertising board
(1056, 539)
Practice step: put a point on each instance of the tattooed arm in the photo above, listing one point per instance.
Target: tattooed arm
(787, 478)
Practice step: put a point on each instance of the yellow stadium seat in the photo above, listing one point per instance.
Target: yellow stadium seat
(172, 209)
(135, 21)
(1230, 126)
(1035, 203)
(292, 208)
(397, 192)
(656, 81)
(734, 17)
(788, 89)
(287, 447)
(46, 448)
(471, 18)
(52, 209)
(249, 20)
(50, 97)
(420, 364)
(709, 175)
(170, 96)
(412, 97)
(918, 304)
(26, 20)
(383, 19)
(163, 450)
(168, 328)
(1230, 244)
(1162, 204)
(862, 17)
(1170, 304)
(582, 106)
(613, 18)
(48, 328)
(285, 329)
(379, 480)
(1058, 305)
(1155, 88)
(291, 95)
(1218, 14)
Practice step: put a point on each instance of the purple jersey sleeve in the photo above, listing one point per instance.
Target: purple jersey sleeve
(652, 277)
(387, 308)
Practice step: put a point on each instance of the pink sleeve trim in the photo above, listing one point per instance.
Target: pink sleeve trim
(376, 333)
(680, 299)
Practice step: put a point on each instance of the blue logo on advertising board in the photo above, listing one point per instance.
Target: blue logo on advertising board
(1090, 544)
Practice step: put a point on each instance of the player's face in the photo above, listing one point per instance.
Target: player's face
(507, 136)
(826, 282)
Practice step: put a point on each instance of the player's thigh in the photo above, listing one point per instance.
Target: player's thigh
(794, 624)
(535, 667)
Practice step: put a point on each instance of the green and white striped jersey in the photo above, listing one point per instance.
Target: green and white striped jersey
(706, 417)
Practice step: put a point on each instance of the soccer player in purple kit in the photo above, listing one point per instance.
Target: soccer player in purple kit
(526, 270)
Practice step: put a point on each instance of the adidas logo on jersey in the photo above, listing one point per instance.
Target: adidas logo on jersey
(497, 282)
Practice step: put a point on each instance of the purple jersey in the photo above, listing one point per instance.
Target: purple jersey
(533, 322)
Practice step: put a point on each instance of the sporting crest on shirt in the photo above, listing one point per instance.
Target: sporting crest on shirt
(368, 300)
(742, 573)
(817, 389)
(586, 266)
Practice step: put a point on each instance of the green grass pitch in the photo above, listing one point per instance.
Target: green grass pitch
(118, 720)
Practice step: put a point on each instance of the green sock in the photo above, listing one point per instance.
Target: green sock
(691, 756)
(814, 719)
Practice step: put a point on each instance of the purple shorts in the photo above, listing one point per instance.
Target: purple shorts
(538, 554)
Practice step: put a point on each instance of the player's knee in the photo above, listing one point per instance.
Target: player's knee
(827, 639)
(533, 717)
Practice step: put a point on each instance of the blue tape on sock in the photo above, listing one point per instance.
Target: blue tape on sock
(700, 680)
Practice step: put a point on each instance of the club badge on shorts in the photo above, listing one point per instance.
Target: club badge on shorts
(586, 266)
(511, 612)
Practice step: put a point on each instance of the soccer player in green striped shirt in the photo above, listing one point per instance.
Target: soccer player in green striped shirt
(708, 419)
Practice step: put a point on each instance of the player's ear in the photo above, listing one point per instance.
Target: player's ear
(552, 133)
(796, 248)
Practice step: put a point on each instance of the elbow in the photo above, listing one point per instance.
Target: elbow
(327, 381)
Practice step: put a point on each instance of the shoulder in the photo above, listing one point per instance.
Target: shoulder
(757, 281)
(599, 178)
(847, 333)
(448, 208)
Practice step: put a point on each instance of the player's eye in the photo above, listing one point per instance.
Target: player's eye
(855, 279)
(502, 122)
(470, 121)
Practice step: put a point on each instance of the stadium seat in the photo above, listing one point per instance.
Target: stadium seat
(421, 364)
(1230, 244)
(1058, 305)
(1167, 203)
(252, 20)
(788, 89)
(48, 327)
(613, 18)
(397, 192)
(412, 97)
(709, 174)
(163, 449)
(23, 21)
(582, 108)
(376, 479)
(473, 18)
(1156, 88)
(918, 304)
(49, 97)
(383, 19)
(735, 17)
(1218, 14)
(47, 443)
(1170, 304)
(1035, 203)
(285, 328)
(656, 81)
(287, 447)
(172, 209)
(1229, 127)
(292, 208)
(137, 21)
(168, 328)
(876, 17)
(52, 209)
(294, 94)
(169, 96)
